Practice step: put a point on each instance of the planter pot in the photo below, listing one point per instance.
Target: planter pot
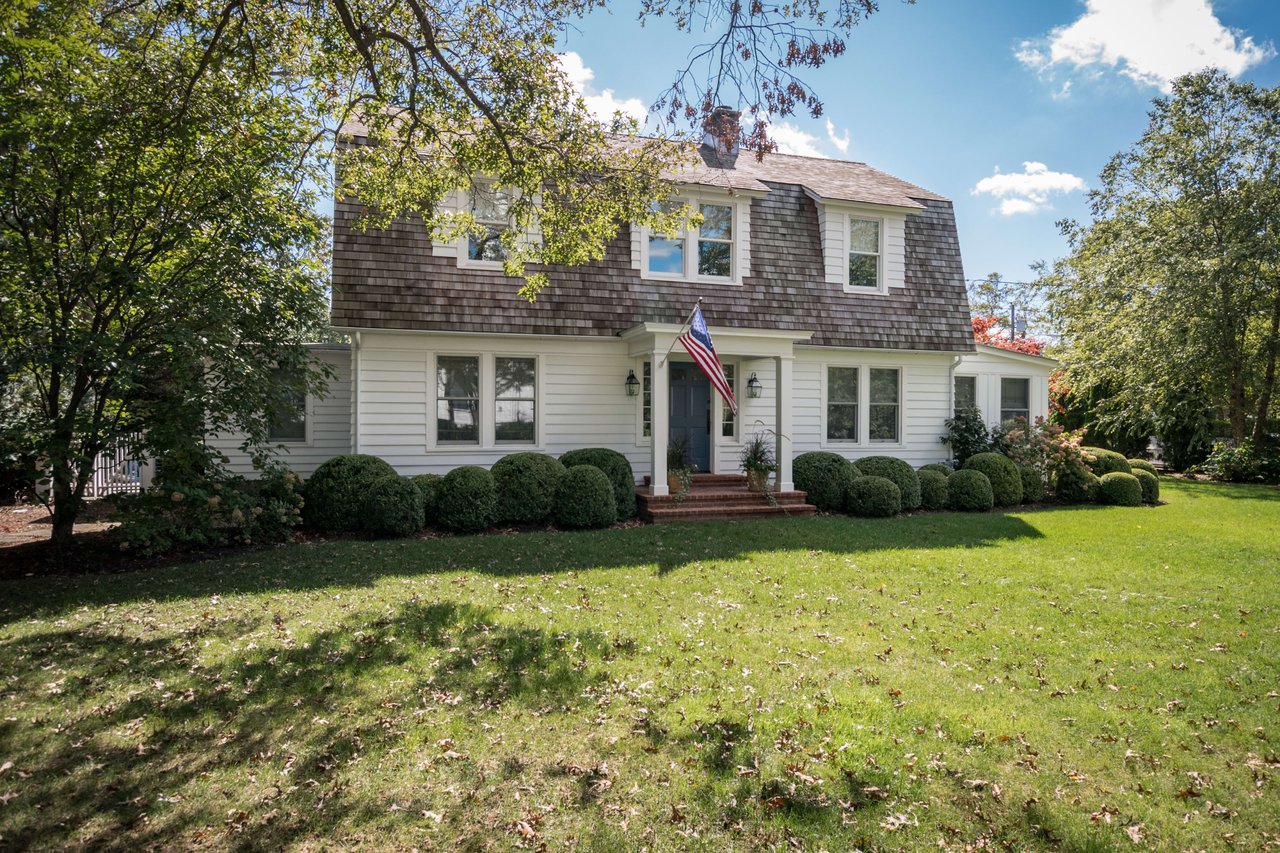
(674, 484)
(757, 480)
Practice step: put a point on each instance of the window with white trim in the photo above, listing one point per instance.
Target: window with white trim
(966, 393)
(1015, 398)
(842, 403)
(515, 400)
(458, 399)
(287, 422)
(489, 206)
(646, 399)
(864, 253)
(729, 423)
(704, 253)
(883, 407)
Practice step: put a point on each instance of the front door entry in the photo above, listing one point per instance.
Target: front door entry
(691, 412)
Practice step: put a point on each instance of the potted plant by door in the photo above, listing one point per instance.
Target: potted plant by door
(679, 469)
(758, 462)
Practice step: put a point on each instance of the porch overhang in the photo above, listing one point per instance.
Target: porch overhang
(647, 338)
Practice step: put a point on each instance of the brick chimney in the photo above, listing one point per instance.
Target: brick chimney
(720, 132)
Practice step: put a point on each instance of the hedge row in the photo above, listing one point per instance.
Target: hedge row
(587, 488)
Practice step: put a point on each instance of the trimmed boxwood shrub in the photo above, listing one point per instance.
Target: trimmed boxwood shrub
(1119, 489)
(392, 507)
(901, 473)
(525, 484)
(584, 498)
(969, 490)
(465, 500)
(1006, 482)
(616, 468)
(429, 488)
(933, 489)
(1032, 484)
(1076, 484)
(1150, 485)
(1136, 465)
(824, 478)
(336, 490)
(873, 497)
(944, 470)
(1106, 461)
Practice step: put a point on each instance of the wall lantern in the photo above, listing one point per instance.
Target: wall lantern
(632, 384)
(753, 387)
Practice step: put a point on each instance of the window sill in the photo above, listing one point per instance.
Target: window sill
(466, 263)
(655, 276)
(865, 291)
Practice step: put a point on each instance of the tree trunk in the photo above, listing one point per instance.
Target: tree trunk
(66, 507)
(1269, 377)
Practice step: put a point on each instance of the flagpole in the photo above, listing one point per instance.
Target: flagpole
(687, 321)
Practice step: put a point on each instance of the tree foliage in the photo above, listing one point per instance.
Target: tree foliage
(158, 248)
(1175, 284)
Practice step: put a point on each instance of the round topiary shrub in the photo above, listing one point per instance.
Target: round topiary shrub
(1136, 465)
(1106, 461)
(1150, 486)
(933, 489)
(1076, 484)
(465, 500)
(873, 497)
(944, 470)
(429, 487)
(337, 489)
(1119, 489)
(901, 473)
(525, 484)
(392, 507)
(824, 478)
(616, 468)
(1006, 482)
(584, 498)
(1033, 487)
(969, 490)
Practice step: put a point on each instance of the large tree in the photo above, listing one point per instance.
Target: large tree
(159, 248)
(1175, 284)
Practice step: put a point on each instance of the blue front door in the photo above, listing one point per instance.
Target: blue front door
(691, 412)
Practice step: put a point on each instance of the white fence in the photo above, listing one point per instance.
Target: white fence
(119, 472)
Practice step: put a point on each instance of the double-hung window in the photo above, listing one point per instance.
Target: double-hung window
(515, 400)
(1015, 398)
(287, 421)
(864, 253)
(842, 403)
(489, 208)
(703, 253)
(883, 407)
(457, 399)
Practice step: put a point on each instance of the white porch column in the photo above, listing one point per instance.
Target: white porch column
(659, 405)
(782, 422)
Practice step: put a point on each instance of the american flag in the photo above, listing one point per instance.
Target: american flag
(698, 342)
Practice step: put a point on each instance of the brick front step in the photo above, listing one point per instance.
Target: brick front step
(719, 497)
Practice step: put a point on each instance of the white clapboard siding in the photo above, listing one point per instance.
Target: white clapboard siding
(990, 364)
(328, 423)
(923, 399)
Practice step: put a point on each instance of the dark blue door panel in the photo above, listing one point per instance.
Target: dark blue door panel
(691, 412)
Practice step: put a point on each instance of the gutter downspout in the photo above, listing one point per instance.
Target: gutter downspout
(951, 391)
(355, 393)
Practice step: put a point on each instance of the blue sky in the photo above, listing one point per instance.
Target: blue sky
(946, 94)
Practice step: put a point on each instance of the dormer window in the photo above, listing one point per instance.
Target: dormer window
(711, 252)
(489, 207)
(864, 253)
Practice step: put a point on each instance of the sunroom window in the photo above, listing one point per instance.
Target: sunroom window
(288, 420)
(1015, 398)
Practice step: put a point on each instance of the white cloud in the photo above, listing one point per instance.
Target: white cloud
(840, 142)
(601, 104)
(792, 140)
(1150, 41)
(1027, 191)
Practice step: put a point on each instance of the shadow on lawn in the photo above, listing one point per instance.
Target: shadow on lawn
(262, 749)
(664, 548)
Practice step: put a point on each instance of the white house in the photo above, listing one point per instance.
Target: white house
(834, 290)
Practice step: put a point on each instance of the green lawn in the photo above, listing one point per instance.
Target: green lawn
(1087, 678)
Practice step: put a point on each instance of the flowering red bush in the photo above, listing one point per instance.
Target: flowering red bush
(982, 327)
